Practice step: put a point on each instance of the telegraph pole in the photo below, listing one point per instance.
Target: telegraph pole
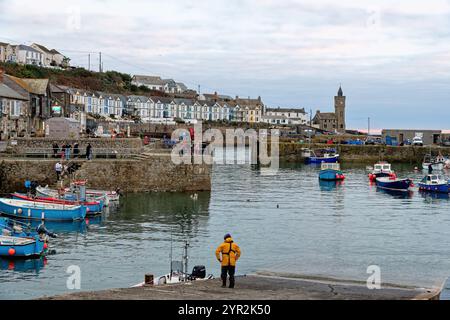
(89, 62)
(100, 62)
(368, 126)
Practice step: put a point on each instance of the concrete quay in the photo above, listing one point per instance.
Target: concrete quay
(259, 287)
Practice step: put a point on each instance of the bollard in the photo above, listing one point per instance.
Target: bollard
(148, 280)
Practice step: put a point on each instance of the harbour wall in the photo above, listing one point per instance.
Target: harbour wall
(292, 152)
(120, 145)
(155, 174)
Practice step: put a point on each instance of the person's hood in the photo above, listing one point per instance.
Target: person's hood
(229, 239)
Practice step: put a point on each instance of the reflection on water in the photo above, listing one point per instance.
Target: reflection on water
(329, 185)
(397, 194)
(289, 222)
(22, 265)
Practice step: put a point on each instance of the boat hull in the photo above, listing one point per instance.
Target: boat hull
(393, 184)
(92, 207)
(318, 160)
(49, 193)
(41, 211)
(331, 175)
(21, 247)
(439, 188)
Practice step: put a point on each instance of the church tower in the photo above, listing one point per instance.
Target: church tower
(339, 110)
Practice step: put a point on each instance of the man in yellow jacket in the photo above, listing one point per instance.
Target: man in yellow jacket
(228, 253)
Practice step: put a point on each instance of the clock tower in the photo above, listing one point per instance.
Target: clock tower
(339, 110)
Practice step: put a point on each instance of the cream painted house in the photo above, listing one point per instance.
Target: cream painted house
(50, 57)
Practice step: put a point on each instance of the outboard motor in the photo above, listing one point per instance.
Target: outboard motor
(199, 272)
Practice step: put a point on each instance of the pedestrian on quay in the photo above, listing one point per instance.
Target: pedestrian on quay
(430, 169)
(89, 152)
(76, 150)
(58, 170)
(227, 254)
(55, 149)
(68, 149)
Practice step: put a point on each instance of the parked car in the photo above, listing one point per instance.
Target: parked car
(417, 141)
(373, 141)
(445, 143)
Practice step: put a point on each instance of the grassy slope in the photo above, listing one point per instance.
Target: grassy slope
(109, 81)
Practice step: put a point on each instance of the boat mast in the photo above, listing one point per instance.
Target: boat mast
(185, 258)
(171, 251)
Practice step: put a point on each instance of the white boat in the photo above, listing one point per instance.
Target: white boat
(437, 163)
(179, 273)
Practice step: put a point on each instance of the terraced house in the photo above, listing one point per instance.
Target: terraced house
(13, 112)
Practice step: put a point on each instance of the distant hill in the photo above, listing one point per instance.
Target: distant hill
(109, 81)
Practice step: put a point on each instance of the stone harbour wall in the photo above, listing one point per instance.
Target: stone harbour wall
(118, 144)
(155, 174)
(365, 153)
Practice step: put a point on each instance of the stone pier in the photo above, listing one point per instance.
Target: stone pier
(157, 173)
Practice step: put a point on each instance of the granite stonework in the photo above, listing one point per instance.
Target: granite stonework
(157, 173)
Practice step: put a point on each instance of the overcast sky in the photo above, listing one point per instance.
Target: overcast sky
(392, 58)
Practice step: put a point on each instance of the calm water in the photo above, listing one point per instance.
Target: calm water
(323, 230)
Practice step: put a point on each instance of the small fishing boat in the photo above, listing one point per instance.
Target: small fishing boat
(437, 163)
(394, 184)
(381, 169)
(112, 195)
(178, 272)
(321, 155)
(434, 183)
(330, 172)
(41, 211)
(69, 195)
(20, 247)
(93, 207)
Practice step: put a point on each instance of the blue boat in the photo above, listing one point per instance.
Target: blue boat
(319, 156)
(393, 184)
(18, 247)
(331, 172)
(434, 183)
(93, 207)
(41, 211)
(15, 228)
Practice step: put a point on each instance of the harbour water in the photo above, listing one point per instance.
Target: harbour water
(288, 222)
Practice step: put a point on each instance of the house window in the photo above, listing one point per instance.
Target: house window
(15, 108)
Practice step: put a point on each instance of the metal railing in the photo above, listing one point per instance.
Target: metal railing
(99, 153)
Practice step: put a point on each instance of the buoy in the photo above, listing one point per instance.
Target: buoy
(11, 251)
(87, 209)
(87, 221)
(45, 245)
(11, 265)
(19, 211)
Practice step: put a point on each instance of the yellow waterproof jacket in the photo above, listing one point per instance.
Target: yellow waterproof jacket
(230, 252)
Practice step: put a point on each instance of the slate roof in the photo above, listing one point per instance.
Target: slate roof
(27, 48)
(36, 86)
(7, 92)
(326, 115)
(293, 110)
(149, 80)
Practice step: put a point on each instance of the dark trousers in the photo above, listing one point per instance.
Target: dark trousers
(228, 270)
(58, 175)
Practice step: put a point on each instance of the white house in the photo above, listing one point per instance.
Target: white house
(50, 57)
(27, 55)
(156, 83)
(140, 106)
(294, 116)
